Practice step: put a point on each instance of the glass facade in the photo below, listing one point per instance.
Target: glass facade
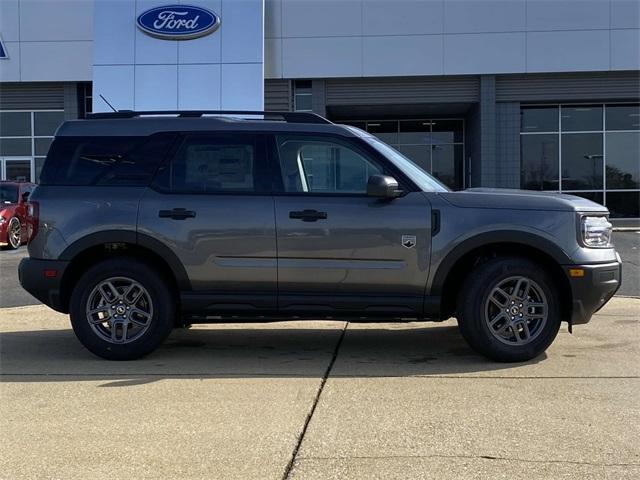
(436, 145)
(25, 137)
(588, 150)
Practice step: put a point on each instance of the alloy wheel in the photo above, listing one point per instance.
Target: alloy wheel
(119, 310)
(516, 311)
(15, 233)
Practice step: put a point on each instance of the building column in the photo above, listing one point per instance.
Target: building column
(508, 144)
(488, 160)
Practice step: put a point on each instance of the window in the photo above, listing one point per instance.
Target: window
(544, 119)
(18, 170)
(582, 160)
(586, 150)
(581, 118)
(85, 99)
(302, 100)
(539, 164)
(321, 165)
(104, 160)
(215, 164)
(25, 137)
(623, 160)
(8, 194)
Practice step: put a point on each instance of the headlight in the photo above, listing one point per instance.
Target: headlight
(596, 231)
(2, 219)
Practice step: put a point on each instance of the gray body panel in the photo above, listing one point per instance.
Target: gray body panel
(71, 214)
(356, 251)
(228, 247)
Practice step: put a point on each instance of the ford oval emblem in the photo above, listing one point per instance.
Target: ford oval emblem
(178, 22)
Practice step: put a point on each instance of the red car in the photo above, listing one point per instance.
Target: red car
(13, 213)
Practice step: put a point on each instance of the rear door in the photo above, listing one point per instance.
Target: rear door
(210, 204)
(340, 250)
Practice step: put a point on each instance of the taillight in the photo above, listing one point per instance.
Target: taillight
(33, 218)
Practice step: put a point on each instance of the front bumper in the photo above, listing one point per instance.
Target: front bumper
(37, 277)
(592, 290)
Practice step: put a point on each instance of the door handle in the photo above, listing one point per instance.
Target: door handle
(308, 215)
(177, 214)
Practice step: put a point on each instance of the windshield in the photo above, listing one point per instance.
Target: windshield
(425, 181)
(8, 194)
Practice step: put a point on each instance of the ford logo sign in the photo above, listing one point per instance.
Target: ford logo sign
(178, 22)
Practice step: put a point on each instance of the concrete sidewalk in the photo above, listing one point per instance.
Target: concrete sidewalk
(319, 400)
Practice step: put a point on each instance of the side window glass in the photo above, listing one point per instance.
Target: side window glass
(320, 165)
(213, 164)
(128, 161)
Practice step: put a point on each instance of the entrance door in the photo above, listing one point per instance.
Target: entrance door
(17, 169)
(339, 249)
(211, 207)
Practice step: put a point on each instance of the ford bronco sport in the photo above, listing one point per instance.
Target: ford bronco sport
(144, 221)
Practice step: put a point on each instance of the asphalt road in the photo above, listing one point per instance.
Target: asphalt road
(319, 400)
(12, 294)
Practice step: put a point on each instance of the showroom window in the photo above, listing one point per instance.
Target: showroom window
(25, 137)
(436, 145)
(590, 150)
(302, 96)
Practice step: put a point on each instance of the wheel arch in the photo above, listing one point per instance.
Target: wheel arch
(102, 245)
(458, 263)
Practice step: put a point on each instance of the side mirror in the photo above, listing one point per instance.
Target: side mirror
(25, 197)
(382, 186)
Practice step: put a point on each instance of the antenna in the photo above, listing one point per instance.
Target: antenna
(105, 101)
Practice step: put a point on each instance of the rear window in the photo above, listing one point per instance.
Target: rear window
(127, 161)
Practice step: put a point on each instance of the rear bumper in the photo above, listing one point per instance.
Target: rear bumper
(36, 277)
(594, 289)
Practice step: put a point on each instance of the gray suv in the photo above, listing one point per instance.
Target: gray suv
(145, 221)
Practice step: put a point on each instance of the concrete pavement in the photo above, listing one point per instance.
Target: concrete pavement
(319, 400)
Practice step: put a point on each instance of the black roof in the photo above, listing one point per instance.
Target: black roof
(132, 123)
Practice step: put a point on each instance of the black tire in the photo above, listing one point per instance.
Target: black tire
(474, 297)
(161, 321)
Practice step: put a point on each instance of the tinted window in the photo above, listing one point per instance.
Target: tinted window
(539, 162)
(582, 161)
(15, 124)
(104, 160)
(215, 164)
(623, 117)
(586, 118)
(320, 165)
(623, 160)
(543, 119)
(8, 194)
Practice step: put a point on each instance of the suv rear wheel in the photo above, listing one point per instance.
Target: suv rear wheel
(121, 309)
(508, 309)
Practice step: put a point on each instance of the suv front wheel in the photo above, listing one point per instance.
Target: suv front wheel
(121, 309)
(508, 309)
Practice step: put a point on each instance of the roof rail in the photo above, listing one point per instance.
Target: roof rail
(289, 117)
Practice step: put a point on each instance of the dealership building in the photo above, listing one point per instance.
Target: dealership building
(533, 94)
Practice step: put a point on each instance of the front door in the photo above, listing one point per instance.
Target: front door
(339, 249)
(211, 206)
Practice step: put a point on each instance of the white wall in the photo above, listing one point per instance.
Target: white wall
(47, 40)
(222, 70)
(336, 38)
(52, 40)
